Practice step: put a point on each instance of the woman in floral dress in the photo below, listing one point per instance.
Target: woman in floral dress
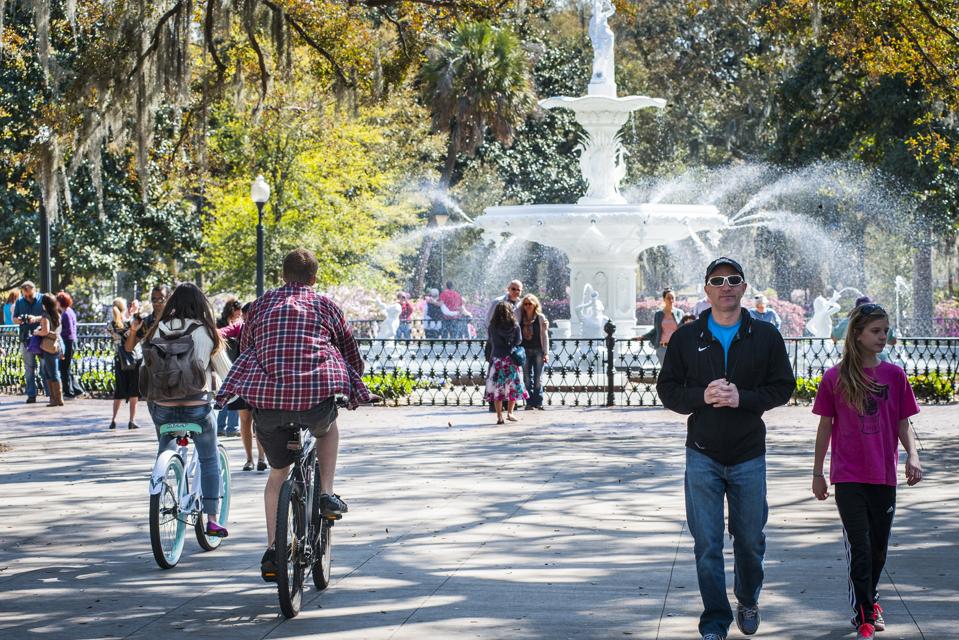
(504, 381)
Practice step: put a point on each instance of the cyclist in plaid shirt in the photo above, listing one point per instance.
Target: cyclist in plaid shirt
(297, 353)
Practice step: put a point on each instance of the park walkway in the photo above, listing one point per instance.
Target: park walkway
(569, 524)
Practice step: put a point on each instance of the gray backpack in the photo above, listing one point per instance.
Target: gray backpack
(170, 370)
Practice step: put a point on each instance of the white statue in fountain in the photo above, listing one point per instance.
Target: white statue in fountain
(386, 329)
(603, 81)
(823, 309)
(592, 314)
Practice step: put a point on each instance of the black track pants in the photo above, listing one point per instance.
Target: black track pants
(867, 511)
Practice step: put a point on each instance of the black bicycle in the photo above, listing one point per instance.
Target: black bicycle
(304, 538)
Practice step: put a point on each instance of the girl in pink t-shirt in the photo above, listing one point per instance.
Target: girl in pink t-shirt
(864, 407)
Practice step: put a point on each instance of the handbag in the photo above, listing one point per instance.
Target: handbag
(518, 355)
(33, 346)
(128, 361)
(50, 343)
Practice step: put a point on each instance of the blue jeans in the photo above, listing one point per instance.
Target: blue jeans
(51, 366)
(533, 377)
(205, 443)
(744, 487)
(227, 420)
(29, 370)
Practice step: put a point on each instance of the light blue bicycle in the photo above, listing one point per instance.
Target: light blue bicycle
(173, 506)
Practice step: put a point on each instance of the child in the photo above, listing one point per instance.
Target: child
(864, 406)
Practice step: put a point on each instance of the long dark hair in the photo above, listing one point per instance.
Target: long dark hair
(503, 318)
(232, 304)
(49, 304)
(187, 302)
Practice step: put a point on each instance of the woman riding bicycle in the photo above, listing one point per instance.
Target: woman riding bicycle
(181, 392)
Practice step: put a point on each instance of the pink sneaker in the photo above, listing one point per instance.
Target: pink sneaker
(866, 632)
(216, 531)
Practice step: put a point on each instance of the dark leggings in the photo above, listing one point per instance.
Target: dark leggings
(867, 512)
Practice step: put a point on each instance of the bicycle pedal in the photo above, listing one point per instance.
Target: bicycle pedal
(333, 517)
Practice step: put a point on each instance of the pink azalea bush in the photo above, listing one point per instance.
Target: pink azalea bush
(792, 315)
(945, 318)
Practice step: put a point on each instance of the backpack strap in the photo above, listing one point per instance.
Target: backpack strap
(191, 329)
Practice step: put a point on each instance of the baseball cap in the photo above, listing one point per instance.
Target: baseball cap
(861, 300)
(724, 260)
(28, 284)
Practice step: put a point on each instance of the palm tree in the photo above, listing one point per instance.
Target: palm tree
(477, 82)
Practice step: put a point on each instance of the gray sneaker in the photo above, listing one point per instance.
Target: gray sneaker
(713, 636)
(747, 619)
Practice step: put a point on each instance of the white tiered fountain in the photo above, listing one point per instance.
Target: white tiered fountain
(602, 234)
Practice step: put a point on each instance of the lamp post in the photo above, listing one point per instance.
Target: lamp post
(441, 220)
(259, 193)
(46, 275)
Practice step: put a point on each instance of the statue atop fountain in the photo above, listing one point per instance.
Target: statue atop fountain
(603, 82)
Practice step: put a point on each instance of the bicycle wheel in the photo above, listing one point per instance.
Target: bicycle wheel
(323, 563)
(167, 528)
(289, 549)
(209, 543)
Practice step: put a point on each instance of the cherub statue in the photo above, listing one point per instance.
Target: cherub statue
(386, 330)
(592, 314)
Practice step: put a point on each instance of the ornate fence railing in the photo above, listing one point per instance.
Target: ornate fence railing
(580, 372)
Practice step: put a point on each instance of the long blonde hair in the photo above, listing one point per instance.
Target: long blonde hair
(537, 307)
(119, 306)
(855, 385)
(527, 325)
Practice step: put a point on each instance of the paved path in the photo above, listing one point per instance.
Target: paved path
(569, 524)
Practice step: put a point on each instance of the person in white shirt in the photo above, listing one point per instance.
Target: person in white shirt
(188, 311)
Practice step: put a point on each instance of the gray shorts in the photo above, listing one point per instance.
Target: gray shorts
(275, 426)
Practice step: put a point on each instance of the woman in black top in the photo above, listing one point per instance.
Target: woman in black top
(503, 381)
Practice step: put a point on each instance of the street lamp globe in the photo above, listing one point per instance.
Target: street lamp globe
(260, 190)
(441, 219)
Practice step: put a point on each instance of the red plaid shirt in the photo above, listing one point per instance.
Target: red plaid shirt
(296, 350)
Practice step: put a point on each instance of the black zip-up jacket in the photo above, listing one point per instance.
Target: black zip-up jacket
(758, 366)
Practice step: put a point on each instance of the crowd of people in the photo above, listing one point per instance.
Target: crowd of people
(289, 358)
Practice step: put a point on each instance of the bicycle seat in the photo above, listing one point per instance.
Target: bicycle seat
(181, 428)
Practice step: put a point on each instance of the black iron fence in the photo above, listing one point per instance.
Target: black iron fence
(579, 372)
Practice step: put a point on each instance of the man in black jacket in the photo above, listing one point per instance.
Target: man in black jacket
(724, 370)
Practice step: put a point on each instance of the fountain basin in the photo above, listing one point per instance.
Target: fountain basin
(603, 242)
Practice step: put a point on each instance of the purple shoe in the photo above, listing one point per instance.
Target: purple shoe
(216, 531)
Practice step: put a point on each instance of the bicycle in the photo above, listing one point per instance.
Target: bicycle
(173, 506)
(303, 544)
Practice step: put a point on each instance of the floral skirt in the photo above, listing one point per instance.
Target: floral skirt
(504, 381)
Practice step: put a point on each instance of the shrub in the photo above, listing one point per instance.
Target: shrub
(806, 388)
(946, 318)
(556, 309)
(395, 385)
(792, 315)
(933, 387)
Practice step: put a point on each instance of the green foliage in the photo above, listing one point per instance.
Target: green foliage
(393, 385)
(477, 82)
(337, 188)
(933, 387)
(930, 387)
(806, 388)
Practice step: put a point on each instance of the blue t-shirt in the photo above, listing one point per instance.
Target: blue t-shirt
(34, 308)
(725, 335)
(769, 315)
